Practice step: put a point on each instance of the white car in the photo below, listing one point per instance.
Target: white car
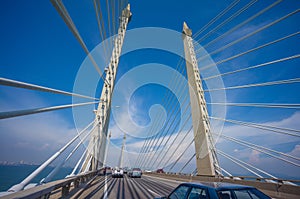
(117, 173)
(135, 173)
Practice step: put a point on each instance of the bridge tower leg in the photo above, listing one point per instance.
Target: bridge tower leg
(122, 152)
(97, 145)
(206, 159)
(107, 147)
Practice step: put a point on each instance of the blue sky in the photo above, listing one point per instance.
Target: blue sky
(37, 47)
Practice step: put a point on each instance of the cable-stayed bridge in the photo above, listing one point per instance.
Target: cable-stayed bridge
(196, 134)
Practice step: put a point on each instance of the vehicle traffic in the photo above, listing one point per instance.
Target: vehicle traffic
(105, 171)
(215, 190)
(135, 173)
(117, 173)
(160, 171)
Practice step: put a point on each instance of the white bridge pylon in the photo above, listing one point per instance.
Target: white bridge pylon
(97, 146)
(206, 158)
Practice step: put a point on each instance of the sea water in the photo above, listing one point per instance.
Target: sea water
(11, 174)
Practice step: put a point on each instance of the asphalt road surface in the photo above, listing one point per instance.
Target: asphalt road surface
(108, 187)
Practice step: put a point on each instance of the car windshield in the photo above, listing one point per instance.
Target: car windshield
(197, 193)
(249, 193)
(179, 193)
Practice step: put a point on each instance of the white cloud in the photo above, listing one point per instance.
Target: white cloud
(262, 161)
(133, 148)
(267, 139)
(254, 157)
(296, 151)
(32, 138)
(130, 121)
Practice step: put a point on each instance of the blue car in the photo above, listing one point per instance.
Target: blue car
(215, 190)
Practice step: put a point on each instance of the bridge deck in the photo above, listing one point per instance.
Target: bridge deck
(149, 186)
(153, 185)
(145, 187)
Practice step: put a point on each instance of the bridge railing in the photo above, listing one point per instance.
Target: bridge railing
(251, 178)
(63, 186)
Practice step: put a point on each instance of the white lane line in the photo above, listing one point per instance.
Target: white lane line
(153, 192)
(168, 180)
(105, 188)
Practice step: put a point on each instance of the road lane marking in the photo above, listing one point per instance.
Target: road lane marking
(105, 188)
(163, 179)
(153, 192)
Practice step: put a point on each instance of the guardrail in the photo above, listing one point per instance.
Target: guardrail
(277, 189)
(45, 190)
(251, 178)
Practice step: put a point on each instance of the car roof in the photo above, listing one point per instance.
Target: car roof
(216, 185)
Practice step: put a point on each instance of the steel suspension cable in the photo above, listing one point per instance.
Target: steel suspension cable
(245, 163)
(162, 137)
(264, 148)
(11, 114)
(98, 12)
(227, 20)
(173, 141)
(18, 84)
(174, 152)
(157, 138)
(288, 81)
(258, 149)
(101, 28)
(122, 5)
(276, 127)
(29, 178)
(240, 164)
(187, 163)
(164, 100)
(254, 67)
(78, 162)
(62, 11)
(180, 131)
(180, 156)
(168, 105)
(249, 34)
(62, 163)
(150, 139)
(113, 16)
(243, 23)
(260, 126)
(108, 17)
(194, 172)
(222, 169)
(262, 105)
(234, 3)
(119, 7)
(248, 51)
(164, 144)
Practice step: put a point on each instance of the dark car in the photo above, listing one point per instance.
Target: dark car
(105, 171)
(160, 171)
(215, 190)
